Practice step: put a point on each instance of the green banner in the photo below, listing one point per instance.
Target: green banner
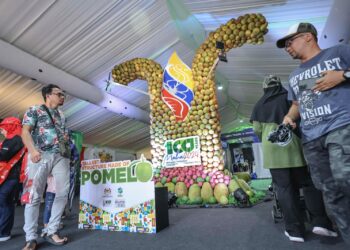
(78, 140)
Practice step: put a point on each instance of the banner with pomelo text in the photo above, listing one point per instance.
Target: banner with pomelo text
(117, 196)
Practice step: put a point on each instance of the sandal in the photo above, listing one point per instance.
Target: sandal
(30, 245)
(49, 238)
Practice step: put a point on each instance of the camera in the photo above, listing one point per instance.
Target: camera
(282, 136)
(220, 45)
(222, 54)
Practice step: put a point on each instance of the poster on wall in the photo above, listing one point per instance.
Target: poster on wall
(182, 152)
(106, 154)
(117, 196)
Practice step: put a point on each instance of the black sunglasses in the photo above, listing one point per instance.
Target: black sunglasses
(61, 95)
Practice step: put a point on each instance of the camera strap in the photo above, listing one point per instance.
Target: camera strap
(54, 124)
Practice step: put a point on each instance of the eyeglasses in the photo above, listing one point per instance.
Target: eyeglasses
(290, 40)
(60, 95)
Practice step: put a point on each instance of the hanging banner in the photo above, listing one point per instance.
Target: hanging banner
(182, 152)
(117, 196)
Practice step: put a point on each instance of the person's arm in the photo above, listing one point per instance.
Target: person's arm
(293, 115)
(30, 121)
(257, 129)
(27, 139)
(332, 78)
(329, 79)
(10, 148)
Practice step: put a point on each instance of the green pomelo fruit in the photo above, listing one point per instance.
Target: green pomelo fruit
(144, 171)
(163, 180)
(158, 184)
(233, 186)
(170, 186)
(220, 190)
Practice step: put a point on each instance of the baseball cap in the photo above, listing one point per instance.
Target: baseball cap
(297, 29)
(271, 81)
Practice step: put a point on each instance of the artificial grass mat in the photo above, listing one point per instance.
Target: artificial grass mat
(260, 184)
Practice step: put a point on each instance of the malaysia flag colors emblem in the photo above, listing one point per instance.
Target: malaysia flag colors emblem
(178, 85)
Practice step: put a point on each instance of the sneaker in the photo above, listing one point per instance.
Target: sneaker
(294, 237)
(5, 238)
(324, 232)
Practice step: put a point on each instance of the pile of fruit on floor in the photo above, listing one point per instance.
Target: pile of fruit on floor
(191, 187)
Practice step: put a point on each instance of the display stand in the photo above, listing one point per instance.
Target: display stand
(162, 214)
(120, 196)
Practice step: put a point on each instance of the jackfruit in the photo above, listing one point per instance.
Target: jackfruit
(180, 189)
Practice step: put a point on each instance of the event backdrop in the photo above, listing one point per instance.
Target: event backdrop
(117, 196)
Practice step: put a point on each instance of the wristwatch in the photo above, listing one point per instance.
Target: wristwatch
(346, 74)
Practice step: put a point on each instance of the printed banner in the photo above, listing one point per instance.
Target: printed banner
(182, 152)
(106, 154)
(117, 196)
(178, 85)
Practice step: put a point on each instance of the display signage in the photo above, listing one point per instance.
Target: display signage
(117, 196)
(240, 134)
(182, 152)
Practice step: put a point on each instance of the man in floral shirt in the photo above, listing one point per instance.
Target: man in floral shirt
(41, 136)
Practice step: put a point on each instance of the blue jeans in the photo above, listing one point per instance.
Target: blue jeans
(49, 199)
(7, 206)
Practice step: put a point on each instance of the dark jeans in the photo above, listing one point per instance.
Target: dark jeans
(49, 199)
(288, 182)
(329, 161)
(7, 206)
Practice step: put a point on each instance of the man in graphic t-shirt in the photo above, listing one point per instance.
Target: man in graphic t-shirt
(320, 91)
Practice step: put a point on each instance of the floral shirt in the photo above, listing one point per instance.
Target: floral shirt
(43, 131)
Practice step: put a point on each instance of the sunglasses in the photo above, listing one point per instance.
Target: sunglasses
(290, 40)
(60, 95)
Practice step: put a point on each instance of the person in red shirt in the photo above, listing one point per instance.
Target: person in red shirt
(11, 155)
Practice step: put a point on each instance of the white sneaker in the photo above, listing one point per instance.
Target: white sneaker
(5, 238)
(324, 232)
(294, 238)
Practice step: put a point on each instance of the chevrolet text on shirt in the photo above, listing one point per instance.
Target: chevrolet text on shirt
(325, 111)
